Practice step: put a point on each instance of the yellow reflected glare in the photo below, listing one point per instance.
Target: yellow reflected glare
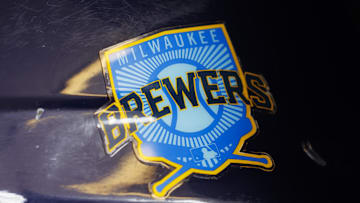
(80, 81)
(128, 173)
(114, 121)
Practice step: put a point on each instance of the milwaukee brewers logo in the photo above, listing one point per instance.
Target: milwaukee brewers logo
(182, 98)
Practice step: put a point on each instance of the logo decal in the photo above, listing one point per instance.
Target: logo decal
(181, 97)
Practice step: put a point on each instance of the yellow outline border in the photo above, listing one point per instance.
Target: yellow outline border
(122, 142)
(272, 109)
(137, 146)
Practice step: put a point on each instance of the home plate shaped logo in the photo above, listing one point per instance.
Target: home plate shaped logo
(181, 98)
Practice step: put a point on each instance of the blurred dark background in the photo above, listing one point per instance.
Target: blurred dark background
(306, 50)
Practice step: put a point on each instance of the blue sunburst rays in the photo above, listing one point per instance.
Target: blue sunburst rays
(154, 132)
(176, 54)
(190, 52)
(146, 130)
(208, 163)
(161, 136)
(200, 52)
(214, 57)
(126, 73)
(236, 111)
(208, 57)
(159, 59)
(194, 53)
(135, 72)
(133, 77)
(146, 70)
(213, 50)
(152, 62)
(147, 65)
(206, 50)
(125, 80)
(141, 70)
(167, 56)
(136, 75)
